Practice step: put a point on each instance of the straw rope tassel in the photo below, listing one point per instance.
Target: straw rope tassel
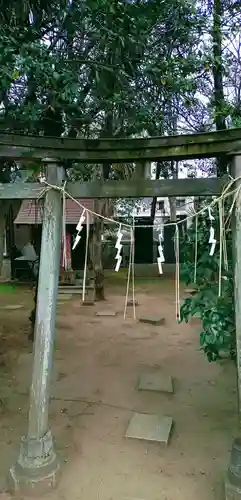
(128, 276)
(221, 231)
(133, 269)
(86, 254)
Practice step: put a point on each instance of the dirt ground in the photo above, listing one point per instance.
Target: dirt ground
(97, 364)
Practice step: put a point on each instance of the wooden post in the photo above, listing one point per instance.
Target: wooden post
(233, 478)
(236, 241)
(37, 464)
(143, 170)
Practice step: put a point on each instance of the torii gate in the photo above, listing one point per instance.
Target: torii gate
(37, 464)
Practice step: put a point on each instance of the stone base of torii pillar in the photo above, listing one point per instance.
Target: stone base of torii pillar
(233, 476)
(36, 469)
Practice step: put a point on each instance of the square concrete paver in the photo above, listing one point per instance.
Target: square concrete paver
(150, 428)
(132, 303)
(158, 382)
(152, 320)
(12, 307)
(106, 313)
(132, 498)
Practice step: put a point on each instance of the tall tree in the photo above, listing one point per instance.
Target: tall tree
(218, 69)
(95, 68)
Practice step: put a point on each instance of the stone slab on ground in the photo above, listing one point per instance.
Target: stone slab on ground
(158, 382)
(74, 289)
(155, 428)
(132, 302)
(106, 313)
(152, 320)
(12, 307)
(64, 297)
(132, 498)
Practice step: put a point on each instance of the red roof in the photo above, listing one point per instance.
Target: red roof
(31, 211)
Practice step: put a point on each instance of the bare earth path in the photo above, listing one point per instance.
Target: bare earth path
(97, 364)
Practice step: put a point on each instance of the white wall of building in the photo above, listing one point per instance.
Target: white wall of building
(185, 207)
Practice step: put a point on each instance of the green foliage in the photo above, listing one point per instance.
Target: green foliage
(102, 67)
(237, 121)
(99, 67)
(216, 313)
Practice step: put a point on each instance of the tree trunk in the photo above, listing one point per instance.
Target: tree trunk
(10, 233)
(219, 100)
(154, 200)
(173, 209)
(98, 223)
(97, 253)
(2, 236)
(4, 207)
(172, 200)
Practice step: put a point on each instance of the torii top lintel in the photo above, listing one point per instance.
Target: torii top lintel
(181, 147)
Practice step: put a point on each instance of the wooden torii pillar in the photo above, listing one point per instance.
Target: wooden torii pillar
(233, 476)
(37, 465)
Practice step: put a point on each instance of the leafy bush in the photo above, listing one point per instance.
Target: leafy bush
(216, 313)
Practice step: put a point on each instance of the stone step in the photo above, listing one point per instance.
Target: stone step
(73, 289)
